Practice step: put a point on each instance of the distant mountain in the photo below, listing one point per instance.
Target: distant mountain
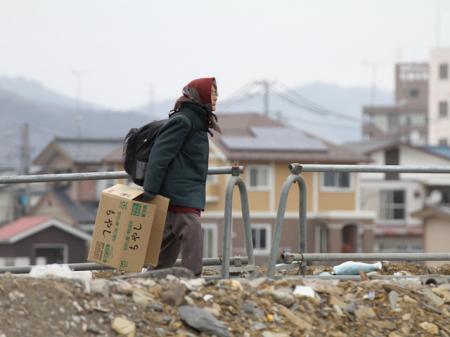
(33, 90)
(51, 116)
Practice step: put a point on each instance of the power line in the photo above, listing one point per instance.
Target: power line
(315, 107)
(239, 95)
(295, 103)
(294, 98)
(239, 100)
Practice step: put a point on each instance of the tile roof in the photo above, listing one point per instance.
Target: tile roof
(369, 146)
(21, 225)
(433, 211)
(274, 138)
(88, 150)
(30, 225)
(255, 137)
(79, 150)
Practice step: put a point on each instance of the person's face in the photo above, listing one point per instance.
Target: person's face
(213, 98)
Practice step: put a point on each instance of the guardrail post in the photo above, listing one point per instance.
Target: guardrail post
(234, 180)
(295, 177)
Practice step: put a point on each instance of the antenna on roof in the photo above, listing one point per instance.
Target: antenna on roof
(266, 94)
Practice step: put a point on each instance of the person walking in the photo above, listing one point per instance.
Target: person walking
(177, 169)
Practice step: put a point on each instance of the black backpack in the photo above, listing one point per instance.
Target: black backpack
(136, 149)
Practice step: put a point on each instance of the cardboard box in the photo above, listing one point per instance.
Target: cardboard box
(128, 232)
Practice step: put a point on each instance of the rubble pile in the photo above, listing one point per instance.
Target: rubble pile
(173, 306)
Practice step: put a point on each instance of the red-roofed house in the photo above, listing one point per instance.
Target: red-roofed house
(41, 240)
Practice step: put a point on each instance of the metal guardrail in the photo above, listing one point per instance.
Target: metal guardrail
(235, 180)
(299, 257)
(295, 177)
(236, 261)
(371, 168)
(296, 169)
(41, 178)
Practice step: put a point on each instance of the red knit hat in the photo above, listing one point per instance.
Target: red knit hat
(203, 87)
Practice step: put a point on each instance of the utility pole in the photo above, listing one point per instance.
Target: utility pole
(79, 76)
(25, 161)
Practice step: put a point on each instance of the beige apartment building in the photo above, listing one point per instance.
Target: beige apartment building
(265, 147)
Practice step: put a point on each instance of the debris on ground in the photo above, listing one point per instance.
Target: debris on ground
(176, 306)
(354, 268)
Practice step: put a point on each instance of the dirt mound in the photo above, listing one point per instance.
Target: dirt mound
(171, 306)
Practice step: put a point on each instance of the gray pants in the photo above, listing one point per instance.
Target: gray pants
(182, 232)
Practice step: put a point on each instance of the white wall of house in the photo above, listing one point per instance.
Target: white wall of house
(437, 232)
(414, 196)
(411, 156)
(414, 185)
(439, 91)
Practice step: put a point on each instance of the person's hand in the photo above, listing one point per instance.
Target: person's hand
(147, 196)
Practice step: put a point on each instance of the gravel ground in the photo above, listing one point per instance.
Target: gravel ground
(170, 306)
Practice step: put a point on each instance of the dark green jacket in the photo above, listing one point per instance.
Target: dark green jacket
(178, 163)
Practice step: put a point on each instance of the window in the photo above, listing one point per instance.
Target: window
(392, 157)
(443, 71)
(209, 240)
(443, 142)
(443, 109)
(336, 180)
(414, 92)
(261, 239)
(52, 253)
(391, 247)
(392, 205)
(259, 176)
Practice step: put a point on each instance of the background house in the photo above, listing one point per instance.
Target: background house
(41, 240)
(265, 147)
(396, 197)
(76, 201)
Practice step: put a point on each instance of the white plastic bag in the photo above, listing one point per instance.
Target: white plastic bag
(353, 268)
(63, 271)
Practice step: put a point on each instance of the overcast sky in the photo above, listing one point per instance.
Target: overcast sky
(127, 49)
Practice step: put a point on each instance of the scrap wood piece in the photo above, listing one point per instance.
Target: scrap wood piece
(403, 291)
(302, 324)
